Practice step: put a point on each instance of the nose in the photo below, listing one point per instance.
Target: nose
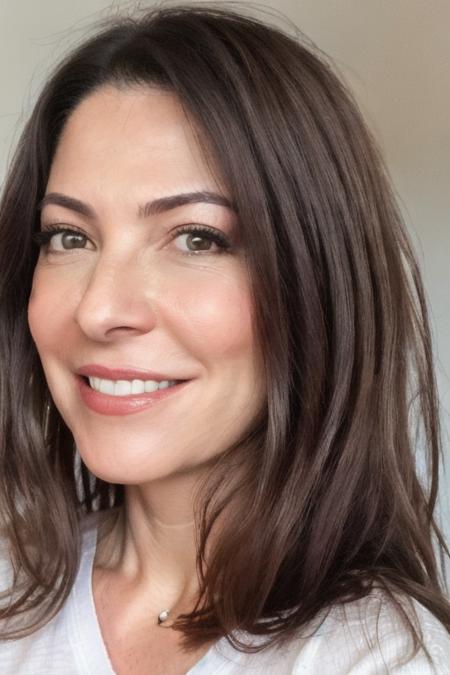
(116, 301)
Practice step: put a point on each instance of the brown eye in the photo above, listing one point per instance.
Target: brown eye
(71, 240)
(59, 239)
(196, 239)
(195, 242)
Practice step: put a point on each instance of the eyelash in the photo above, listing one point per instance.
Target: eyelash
(42, 238)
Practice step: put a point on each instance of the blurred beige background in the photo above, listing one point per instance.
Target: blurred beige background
(395, 54)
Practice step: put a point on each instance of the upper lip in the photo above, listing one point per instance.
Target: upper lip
(95, 370)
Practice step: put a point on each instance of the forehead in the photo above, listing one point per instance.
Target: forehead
(131, 131)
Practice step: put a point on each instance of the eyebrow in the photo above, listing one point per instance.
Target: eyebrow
(150, 208)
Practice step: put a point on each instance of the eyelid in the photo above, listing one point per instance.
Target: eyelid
(59, 226)
(217, 236)
(43, 237)
(212, 234)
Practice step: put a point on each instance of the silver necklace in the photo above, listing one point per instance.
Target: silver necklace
(163, 615)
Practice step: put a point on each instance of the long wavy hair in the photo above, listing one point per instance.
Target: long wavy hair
(323, 497)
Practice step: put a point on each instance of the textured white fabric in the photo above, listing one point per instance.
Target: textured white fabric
(71, 643)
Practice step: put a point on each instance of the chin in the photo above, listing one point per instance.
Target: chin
(113, 465)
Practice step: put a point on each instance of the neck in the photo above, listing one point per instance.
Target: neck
(151, 548)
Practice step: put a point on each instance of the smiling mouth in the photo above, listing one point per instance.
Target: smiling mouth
(106, 400)
(128, 388)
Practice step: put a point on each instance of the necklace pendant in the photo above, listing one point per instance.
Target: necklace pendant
(163, 616)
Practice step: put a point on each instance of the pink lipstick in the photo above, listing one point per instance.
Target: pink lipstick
(109, 404)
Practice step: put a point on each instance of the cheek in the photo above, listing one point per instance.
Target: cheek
(208, 313)
(47, 309)
(217, 316)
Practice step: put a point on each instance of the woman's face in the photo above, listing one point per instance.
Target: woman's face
(128, 290)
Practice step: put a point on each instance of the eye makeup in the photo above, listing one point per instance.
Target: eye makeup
(196, 232)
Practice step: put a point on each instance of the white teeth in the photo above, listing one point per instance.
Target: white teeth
(151, 385)
(122, 388)
(137, 387)
(127, 387)
(106, 387)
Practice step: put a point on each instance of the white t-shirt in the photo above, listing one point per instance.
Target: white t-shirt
(71, 643)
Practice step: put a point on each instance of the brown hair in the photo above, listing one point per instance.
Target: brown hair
(323, 499)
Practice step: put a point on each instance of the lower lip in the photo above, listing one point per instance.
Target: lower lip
(104, 404)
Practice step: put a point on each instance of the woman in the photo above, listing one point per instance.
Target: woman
(213, 330)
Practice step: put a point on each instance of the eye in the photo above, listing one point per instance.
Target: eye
(58, 239)
(193, 239)
(196, 239)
